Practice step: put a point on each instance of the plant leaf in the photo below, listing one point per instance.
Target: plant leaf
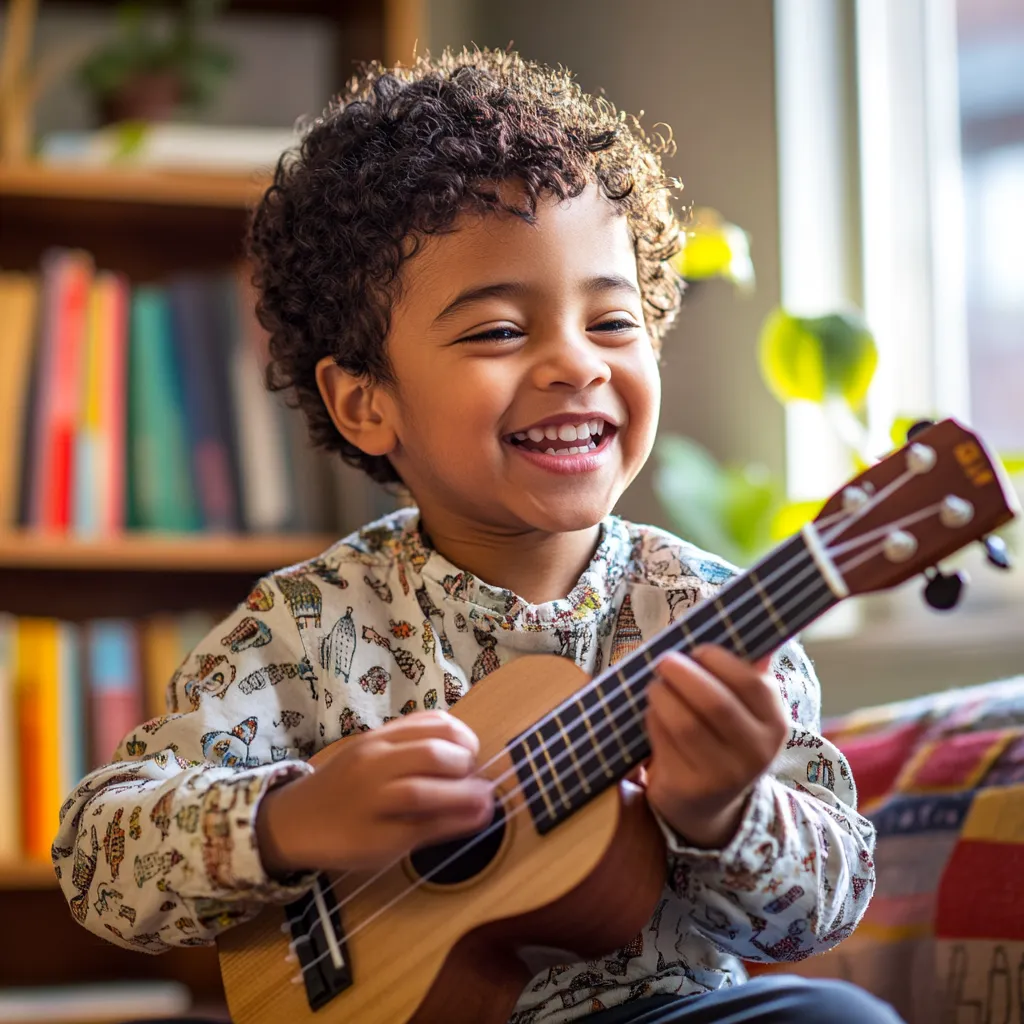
(809, 358)
(793, 516)
(791, 359)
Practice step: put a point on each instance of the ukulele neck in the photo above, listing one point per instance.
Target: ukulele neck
(592, 741)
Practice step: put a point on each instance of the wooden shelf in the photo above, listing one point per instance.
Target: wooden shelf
(230, 191)
(27, 875)
(208, 553)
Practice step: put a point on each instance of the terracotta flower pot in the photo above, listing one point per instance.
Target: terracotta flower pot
(145, 97)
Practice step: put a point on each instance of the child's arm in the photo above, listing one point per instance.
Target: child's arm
(158, 848)
(185, 834)
(789, 873)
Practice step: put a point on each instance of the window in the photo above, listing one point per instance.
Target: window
(990, 57)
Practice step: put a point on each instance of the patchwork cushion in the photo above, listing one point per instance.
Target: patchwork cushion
(942, 777)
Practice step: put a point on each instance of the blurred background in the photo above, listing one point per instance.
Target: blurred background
(855, 170)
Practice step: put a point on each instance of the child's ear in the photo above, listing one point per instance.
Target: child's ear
(359, 408)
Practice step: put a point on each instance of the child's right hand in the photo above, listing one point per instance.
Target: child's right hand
(376, 796)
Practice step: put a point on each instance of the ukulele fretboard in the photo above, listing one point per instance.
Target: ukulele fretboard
(597, 737)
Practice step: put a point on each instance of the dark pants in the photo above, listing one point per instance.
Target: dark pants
(780, 999)
(783, 999)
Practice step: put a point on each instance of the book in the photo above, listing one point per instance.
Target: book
(98, 498)
(19, 308)
(115, 687)
(161, 657)
(161, 493)
(37, 671)
(192, 302)
(66, 276)
(72, 741)
(10, 796)
(266, 501)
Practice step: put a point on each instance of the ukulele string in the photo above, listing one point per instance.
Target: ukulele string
(882, 531)
(605, 742)
(872, 503)
(286, 927)
(366, 922)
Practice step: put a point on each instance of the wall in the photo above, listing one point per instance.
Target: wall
(705, 67)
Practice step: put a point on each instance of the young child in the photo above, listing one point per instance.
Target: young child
(464, 273)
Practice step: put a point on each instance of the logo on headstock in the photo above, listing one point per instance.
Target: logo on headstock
(973, 463)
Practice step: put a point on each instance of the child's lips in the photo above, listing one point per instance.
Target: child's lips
(582, 462)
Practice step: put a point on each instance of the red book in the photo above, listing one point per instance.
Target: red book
(67, 275)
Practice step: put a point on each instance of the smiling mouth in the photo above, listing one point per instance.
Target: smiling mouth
(567, 439)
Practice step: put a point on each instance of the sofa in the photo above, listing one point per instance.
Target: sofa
(942, 777)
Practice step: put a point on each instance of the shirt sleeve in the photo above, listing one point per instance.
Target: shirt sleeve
(158, 849)
(797, 876)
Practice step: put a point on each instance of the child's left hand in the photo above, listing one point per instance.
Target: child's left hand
(715, 724)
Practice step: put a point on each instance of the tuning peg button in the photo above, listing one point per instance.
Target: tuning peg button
(996, 552)
(943, 591)
(918, 427)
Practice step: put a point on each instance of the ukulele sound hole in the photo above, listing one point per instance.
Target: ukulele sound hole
(458, 860)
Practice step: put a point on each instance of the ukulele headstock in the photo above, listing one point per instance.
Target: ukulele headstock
(922, 503)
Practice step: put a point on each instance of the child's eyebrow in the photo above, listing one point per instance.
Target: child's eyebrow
(515, 289)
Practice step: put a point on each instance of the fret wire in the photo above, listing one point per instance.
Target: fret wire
(767, 602)
(537, 776)
(615, 730)
(593, 739)
(628, 687)
(546, 750)
(730, 628)
(572, 753)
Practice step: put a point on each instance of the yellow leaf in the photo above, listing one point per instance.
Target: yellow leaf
(793, 516)
(791, 359)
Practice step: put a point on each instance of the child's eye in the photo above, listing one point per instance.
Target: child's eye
(615, 325)
(496, 334)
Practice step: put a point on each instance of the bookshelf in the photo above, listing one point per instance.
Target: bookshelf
(149, 225)
(127, 185)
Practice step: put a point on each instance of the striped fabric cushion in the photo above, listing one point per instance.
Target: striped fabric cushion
(942, 777)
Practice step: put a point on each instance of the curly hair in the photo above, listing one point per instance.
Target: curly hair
(399, 157)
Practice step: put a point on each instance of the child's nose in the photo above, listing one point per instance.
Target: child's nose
(570, 360)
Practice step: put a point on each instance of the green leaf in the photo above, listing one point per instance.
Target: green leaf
(792, 362)
(726, 510)
(811, 357)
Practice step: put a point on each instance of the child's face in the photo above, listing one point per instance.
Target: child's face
(505, 328)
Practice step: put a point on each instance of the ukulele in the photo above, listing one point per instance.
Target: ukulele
(573, 860)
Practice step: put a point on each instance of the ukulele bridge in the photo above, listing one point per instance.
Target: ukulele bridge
(318, 938)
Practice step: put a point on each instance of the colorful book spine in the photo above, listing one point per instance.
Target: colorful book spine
(19, 312)
(10, 795)
(162, 495)
(115, 687)
(37, 672)
(67, 277)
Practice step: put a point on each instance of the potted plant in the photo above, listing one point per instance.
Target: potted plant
(157, 63)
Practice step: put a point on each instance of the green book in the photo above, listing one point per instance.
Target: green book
(161, 492)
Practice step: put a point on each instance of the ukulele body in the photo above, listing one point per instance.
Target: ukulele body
(448, 954)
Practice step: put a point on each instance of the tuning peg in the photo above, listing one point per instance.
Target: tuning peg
(996, 552)
(918, 427)
(942, 591)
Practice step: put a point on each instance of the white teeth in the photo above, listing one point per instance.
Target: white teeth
(575, 451)
(551, 433)
(550, 451)
(535, 434)
(598, 427)
(520, 436)
(583, 431)
(593, 445)
(562, 451)
(566, 432)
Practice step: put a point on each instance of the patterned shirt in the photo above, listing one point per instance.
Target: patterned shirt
(158, 849)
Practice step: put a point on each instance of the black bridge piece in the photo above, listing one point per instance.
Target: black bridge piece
(322, 958)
